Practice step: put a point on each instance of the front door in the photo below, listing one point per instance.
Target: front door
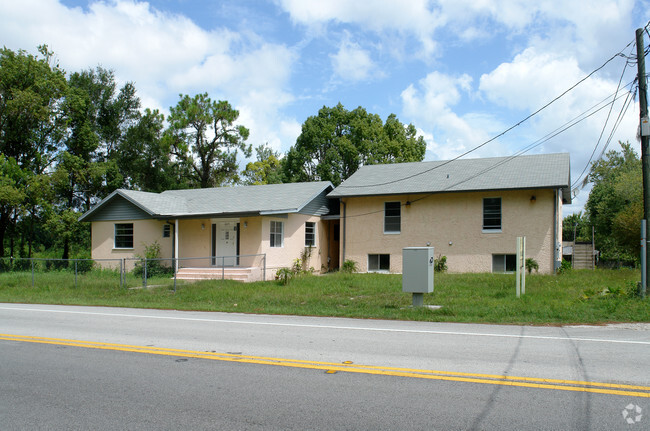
(224, 243)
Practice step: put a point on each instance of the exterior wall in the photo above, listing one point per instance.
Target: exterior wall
(294, 242)
(145, 232)
(452, 224)
(195, 236)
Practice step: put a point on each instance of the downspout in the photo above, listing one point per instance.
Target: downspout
(176, 244)
(556, 251)
(344, 219)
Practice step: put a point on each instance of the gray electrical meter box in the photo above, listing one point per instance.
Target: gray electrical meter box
(417, 269)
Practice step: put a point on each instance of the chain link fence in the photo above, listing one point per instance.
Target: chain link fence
(136, 272)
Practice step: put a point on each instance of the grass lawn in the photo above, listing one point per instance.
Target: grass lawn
(581, 296)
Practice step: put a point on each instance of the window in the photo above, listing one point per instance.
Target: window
(492, 214)
(392, 216)
(277, 233)
(124, 235)
(310, 234)
(504, 263)
(378, 262)
(167, 231)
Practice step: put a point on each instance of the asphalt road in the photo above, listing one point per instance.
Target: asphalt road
(106, 368)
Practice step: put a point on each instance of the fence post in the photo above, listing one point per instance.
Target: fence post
(264, 273)
(144, 281)
(32, 259)
(174, 266)
(223, 267)
(75, 273)
(121, 273)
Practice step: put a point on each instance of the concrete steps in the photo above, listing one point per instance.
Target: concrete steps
(583, 256)
(232, 273)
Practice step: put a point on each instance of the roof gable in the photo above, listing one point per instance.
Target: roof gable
(496, 173)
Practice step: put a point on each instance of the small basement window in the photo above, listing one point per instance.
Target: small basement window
(504, 263)
(378, 262)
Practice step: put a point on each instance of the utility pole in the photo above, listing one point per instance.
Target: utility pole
(645, 154)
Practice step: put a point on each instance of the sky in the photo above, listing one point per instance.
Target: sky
(461, 71)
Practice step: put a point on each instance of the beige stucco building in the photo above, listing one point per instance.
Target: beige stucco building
(258, 228)
(470, 211)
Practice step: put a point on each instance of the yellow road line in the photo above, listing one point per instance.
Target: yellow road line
(492, 379)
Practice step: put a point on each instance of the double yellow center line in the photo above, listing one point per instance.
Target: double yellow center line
(348, 367)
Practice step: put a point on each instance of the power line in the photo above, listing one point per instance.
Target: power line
(618, 54)
(569, 124)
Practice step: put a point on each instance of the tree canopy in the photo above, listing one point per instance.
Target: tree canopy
(336, 142)
(615, 204)
(205, 139)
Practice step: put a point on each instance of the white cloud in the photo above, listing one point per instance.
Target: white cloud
(351, 63)
(164, 54)
(414, 17)
(430, 105)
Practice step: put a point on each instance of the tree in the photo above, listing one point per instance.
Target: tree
(578, 224)
(615, 204)
(266, 170)
(31, 127)
(204, 139)
(98, 117)
(145, 156)
(336, 142)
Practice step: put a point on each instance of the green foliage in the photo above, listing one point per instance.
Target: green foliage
(615, 204)
(204, 138)
(298, 268)
(565, 267)
(336, 142)
(578, 224)
(531, 264)
(153, 262)
(349, 267)
(440, 264)
(266, 170)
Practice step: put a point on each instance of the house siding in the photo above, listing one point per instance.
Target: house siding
(452, 224)
(317, 206)
(120, 209)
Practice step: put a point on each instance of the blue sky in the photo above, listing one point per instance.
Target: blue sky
(462, 71)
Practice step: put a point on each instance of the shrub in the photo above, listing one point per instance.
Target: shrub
(154, 265)
(565, 266)
(440, 264)
(349, 266)
(531, 264)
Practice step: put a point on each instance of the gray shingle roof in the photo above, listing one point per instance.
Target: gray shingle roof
(221, 201)
(496, 173)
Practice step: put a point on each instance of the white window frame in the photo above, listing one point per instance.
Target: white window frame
(312, 234)
(392, 217)
(116, 235)
(274, 232)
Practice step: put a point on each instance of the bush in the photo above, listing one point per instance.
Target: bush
(531, 264)
(565, 267)
(349, 266)
(440, 264)
(153, 261)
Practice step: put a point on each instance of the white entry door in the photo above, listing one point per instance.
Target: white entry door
(226, 242)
